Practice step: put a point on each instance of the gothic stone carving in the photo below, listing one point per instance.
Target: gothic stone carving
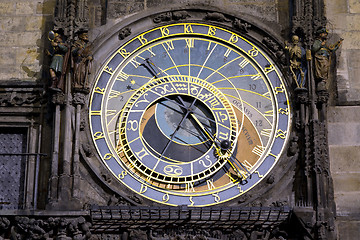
(275, 48)
(59, 98)
(241, 26)
(216, 17)
(23, 227)
(81, 59)
(197, 234)
(171, 16)
(124, 32)
(14, 97)
(322, 54)
(296, 56)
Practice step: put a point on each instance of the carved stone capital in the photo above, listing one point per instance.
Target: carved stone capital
(59, 98)
(79, 98)
(301, 95)
(323, 96)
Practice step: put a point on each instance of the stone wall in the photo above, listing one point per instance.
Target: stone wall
(265, 10)
(344, 123)
(22, 37)
(344, 21)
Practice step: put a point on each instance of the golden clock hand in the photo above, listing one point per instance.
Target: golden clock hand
(238, 173)
(148, 61)
(149, 68)
(199, 123)
(225, 146)
(203, 128)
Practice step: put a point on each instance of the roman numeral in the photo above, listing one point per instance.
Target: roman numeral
(243, 63)
(258, 150)
(189, 42)
(227, 53)
(256, 77)
(266, 132)
(210, 184)
(189, 187)
(170, 45)
(114, 94)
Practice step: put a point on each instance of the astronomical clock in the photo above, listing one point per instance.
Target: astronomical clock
(189, 113)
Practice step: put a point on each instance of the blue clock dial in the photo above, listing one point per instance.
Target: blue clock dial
(189, 114)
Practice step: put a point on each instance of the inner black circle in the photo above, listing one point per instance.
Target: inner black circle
(180, 129)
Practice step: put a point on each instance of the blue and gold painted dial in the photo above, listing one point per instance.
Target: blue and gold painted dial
(189, 114)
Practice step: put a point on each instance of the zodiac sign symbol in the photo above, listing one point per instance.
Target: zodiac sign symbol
(165, 89)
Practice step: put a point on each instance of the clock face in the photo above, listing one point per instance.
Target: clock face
(189, 114)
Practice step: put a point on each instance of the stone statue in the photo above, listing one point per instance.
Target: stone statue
(58, 52)
(297, 63)
(322, 53)
(82, 58)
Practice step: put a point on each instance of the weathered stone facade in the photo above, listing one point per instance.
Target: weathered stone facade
(62, 207)
(342, 116)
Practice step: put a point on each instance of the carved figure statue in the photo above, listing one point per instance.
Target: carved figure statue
(297, 66)
(29, 228)
(82, 58)
(80, 229)
(57, 51)
(322, 53)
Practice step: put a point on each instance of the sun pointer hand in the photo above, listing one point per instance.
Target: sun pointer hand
(225, 148)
